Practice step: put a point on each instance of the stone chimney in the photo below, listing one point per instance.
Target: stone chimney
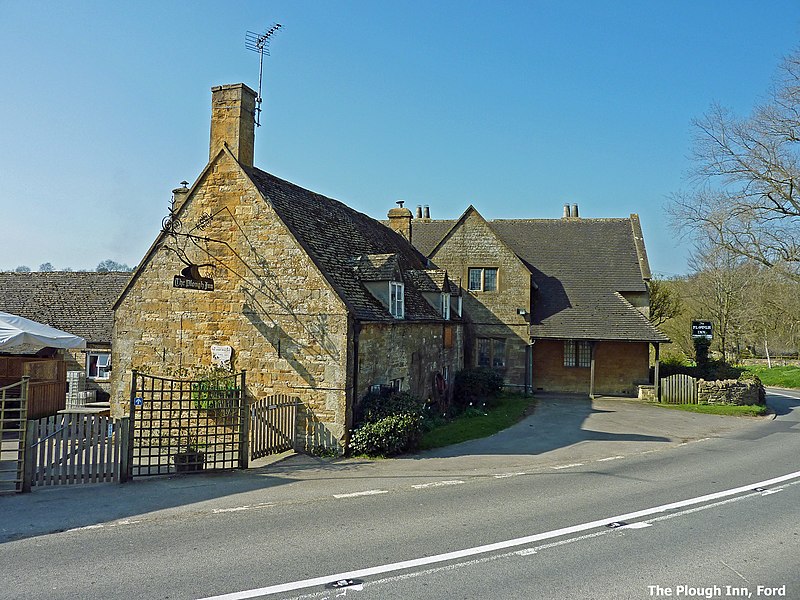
(233, 121)
(400, 220)
(179, 194)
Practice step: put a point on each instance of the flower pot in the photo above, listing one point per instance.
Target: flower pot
(189, 461)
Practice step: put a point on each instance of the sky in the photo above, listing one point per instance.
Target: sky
(514, 107)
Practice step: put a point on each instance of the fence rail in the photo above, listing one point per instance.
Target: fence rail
(74, 448)
(679, 389)
(273, 425)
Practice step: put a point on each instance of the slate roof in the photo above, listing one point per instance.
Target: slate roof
(76, 302)
(432, 280)
(582, 268)
(376, 267)
(333, 235)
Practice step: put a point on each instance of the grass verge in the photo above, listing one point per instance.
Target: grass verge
(785, 377)
(747, 410)
(508, 409)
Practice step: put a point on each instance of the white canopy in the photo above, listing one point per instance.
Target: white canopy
(19, 331)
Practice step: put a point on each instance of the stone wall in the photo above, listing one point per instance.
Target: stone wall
(411, 352)
(493, 314)
(730, 391)
(286, 326)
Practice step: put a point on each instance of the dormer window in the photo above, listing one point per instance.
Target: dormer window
(396, 299)
(445, 306)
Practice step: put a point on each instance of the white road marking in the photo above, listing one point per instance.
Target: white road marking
(504, 475)
(782, 395)
(217, 511)
(609, 458)
(639, 525)
(477, 550)
(355, 494)
(527, 551)
(569, 466)
(422, 486)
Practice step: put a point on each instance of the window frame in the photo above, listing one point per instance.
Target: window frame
(397, 306)
(445, 305)
(491, 349)
(103, 370)
(482, 285)
(577, 354)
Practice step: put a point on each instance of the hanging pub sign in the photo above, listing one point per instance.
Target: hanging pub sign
(190, 279)
(702, 329)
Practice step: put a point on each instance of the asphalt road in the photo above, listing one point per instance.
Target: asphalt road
(543, 494)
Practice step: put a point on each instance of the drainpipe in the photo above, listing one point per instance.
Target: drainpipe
(354, 392)
(656, 378)
(591, 373)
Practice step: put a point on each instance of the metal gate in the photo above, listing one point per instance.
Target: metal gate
(181, 426)
(13, 413)
(679, 389)
(273, 425)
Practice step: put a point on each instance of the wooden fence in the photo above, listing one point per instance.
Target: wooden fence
(75, 448)
(13, 407)
(679, 389)
(273, 425)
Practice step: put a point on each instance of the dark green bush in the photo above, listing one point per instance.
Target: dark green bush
(376, 406)
(389, 436)
(476, 386)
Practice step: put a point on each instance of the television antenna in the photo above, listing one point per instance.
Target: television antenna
(259, 42)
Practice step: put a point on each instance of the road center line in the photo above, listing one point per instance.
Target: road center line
(568, 466)
(422, 486)
(609, 458)
(477, 550)
(365, 493)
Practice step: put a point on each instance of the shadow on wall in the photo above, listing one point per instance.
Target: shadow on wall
(283, 344)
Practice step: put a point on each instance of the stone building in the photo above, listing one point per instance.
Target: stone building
(79, 303)
(554, 304)
(315, 299)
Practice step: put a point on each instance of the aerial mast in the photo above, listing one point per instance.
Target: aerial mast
(259, 42)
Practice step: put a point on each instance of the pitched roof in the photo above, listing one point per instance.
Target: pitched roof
(582, 268)
(76, 302)
(334, 235)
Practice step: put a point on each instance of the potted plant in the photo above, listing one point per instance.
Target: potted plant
(190, 459)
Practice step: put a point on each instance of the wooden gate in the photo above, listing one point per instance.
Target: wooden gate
(75, 448)
(679, 389)
(13, 412)
(273, 425)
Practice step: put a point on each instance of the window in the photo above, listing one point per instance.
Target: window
(577, 353)
(483, 279)
(446, 306)
(397, 384)
(396, 300)
(491, 352)
(98, 365)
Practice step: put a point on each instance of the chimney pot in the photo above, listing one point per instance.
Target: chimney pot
(419, 211)
(566, 211)
(426, 212)
(574, 211)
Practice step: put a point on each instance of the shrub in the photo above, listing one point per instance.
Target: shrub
(376, 406)
(474, 386)
(389, 436)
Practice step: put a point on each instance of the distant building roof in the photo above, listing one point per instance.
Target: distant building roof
(582, 268)
(76, 302)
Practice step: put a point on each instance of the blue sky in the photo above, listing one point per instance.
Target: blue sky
(513, 107)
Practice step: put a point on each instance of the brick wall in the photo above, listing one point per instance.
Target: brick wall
(619, 368)
(287, 328)
(492, 314)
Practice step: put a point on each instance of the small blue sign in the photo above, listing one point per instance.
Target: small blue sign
(138, 401)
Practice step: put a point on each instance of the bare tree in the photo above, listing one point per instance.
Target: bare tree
(665, 303)
(745, 197)
(46, 267)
